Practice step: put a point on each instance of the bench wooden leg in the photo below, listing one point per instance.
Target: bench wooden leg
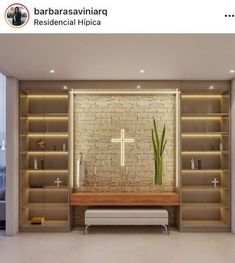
(166, 227)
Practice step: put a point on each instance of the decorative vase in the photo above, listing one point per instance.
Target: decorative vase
(158, 178)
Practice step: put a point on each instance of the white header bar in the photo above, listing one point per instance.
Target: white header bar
(122, 16)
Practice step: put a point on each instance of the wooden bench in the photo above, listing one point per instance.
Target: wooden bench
(128, 216)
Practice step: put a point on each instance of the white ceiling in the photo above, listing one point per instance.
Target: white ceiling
(118, 57)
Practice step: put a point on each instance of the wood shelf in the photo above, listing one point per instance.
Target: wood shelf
(48, 226)
(40, 111)
(204, 171)
(125, 199)
(203, 115)
(205, 122)
(45, 115)
(45, 152)
(203, 188)
(203, 205)
(45, 205)
(203, 152)
(201, 134)
(45, 171)
(45, 134)
(203, 223)
(48, 223)
(47, 188)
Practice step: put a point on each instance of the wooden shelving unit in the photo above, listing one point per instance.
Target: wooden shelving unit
(205, 136)
(44, 116)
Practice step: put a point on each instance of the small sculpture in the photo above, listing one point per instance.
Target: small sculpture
(192, 164)
(35, 164)
(215, 182)
(199, 164)
(221, 147)
(58, 182)
(41, 144)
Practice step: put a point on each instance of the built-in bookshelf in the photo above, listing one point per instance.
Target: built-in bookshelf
(205, 157)
(44, 154)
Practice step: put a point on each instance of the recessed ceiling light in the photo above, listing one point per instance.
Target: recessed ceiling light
(142, 71)
(52, 71)
(232, 71)
(211, 87)
(138, 87)
(65, 87)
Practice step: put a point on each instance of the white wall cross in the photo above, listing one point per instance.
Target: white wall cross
(58, 182)
(122, 141)
(215, 182)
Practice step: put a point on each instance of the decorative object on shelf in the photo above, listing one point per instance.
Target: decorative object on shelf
(221, 147)
(3, 147)
(192, 164)
(215, 182)
(80, 175)
(35, 164)
(199, 164)
(159, 144)
(54, 147)
(37, 220)
(64, 147)
(212, 147)
(41, 144)
(58, 182)
(42, 164)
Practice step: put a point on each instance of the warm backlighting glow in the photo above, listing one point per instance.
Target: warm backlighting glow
(195, 118)
(201, 152)
(47, 153)
(203, 171)
(122, 141)
(47, 171)
(205, 96)
(56, 118)
(204, 134)
(31, 96)
(47, 134)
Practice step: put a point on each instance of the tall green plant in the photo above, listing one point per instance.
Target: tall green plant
(159, 144)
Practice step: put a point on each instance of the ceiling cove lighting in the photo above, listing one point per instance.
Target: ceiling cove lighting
(142, 71)
(52, 71)
(232, 71)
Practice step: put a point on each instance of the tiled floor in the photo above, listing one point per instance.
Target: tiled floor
(118, 245)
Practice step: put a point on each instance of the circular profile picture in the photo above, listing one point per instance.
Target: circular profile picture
(17, 15)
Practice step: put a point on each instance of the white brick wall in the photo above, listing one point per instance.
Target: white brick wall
(98, 118)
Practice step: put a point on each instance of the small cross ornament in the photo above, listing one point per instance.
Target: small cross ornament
(215, 182)
(58, 182)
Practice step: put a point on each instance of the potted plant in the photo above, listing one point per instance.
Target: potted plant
(159, 144)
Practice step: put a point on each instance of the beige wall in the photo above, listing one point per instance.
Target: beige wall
(12, 156)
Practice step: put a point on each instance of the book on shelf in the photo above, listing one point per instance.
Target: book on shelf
(37, 220)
